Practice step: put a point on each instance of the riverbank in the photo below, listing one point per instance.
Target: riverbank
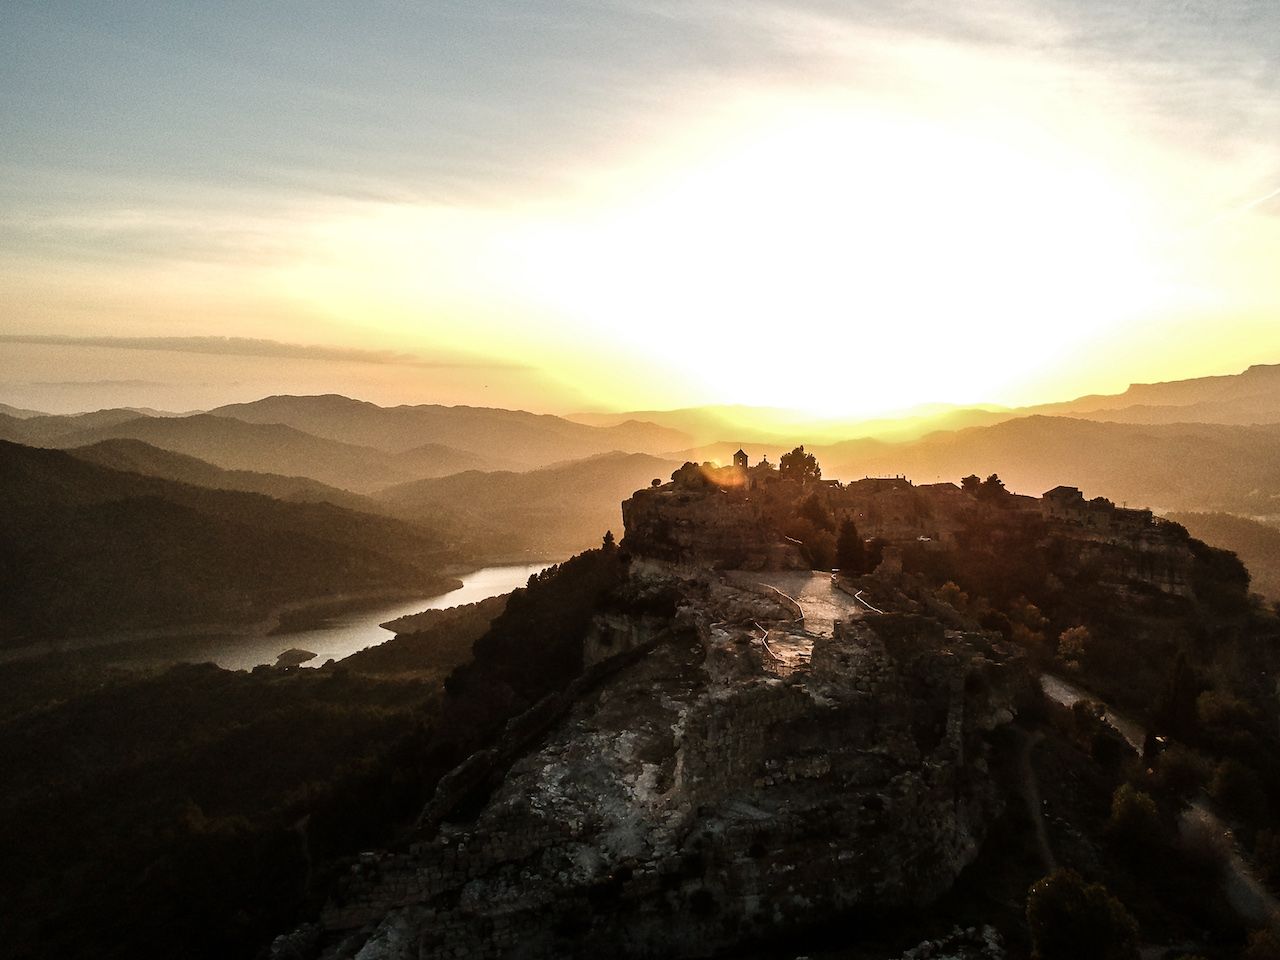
(330, 627)
(297, 610)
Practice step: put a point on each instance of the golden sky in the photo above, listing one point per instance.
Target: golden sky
(849, 208)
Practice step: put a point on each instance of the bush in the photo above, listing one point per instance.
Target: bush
(1180, 771)
(1262, 945)
(1237, 789)
(1070, 919)
(1073, 647)
(1220, 710)
(1266, 855)
(1203, 841)
(1135, 820)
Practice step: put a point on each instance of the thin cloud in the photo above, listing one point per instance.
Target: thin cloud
(253, 347)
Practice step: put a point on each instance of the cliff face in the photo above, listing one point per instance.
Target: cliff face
(721, 787)
(1151, 557)
(717, 527)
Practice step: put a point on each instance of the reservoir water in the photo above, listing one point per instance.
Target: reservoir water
(335, 637)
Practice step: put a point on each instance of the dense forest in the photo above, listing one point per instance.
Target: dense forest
(219, 804)
(86, 550)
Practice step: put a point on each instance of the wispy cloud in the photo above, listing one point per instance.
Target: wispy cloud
(252, 347)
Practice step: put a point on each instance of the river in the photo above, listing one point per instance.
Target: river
(337, 636)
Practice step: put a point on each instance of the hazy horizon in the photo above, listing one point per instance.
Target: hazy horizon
(264, 368)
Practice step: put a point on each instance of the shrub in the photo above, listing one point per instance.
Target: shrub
(1237, 789)
(1262, 945)
(1073, 647)
(1266, 855)
(1180, 771)
(1215, 708)
(1203, 841)
(951, 594)
(1135, 819)
(1070, 919)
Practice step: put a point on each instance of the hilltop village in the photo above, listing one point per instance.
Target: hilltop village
(787, 516)
(724, 744)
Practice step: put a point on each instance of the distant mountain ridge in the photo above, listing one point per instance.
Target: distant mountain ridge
(1184, 466)
(259, 447)
(521, 438)
(777, 427)
(1251, 397)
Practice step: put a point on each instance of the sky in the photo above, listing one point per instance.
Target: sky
(843, 207)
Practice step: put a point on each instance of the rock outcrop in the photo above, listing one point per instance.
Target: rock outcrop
(708, 793)
(721, 528)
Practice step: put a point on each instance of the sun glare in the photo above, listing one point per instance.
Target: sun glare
(844, 246)
(883, 258)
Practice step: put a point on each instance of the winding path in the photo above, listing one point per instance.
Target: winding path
(1248, 895)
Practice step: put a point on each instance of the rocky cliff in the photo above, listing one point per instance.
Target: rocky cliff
(738, 774)
(721, 528)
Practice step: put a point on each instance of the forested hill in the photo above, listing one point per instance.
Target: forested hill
(135, 456)
(86, 549)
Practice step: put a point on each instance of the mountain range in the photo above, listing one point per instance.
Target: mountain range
(350, 495)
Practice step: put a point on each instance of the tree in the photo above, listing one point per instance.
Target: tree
(1135, 820)
(816, 512)
(1238, 790)
(1175, 710)
(1263, 945)
(971, 484)
(1073, 646)
(608, 543)
(1070, 919)
(991, 488)
(851, 552)
(798, 465)
(690, 475)
(951, 594)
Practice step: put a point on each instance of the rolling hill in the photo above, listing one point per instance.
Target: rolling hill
(262, 448)
(135, 456)
(48, 430)
(544, 513)
(85, 550)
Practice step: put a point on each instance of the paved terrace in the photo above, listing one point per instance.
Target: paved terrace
(821, 603)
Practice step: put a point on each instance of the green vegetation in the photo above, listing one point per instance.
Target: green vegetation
(219, 805)
(800, 466)
(1071, 919)
(851, 552)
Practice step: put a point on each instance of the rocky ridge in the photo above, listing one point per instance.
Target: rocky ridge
(732, 774)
